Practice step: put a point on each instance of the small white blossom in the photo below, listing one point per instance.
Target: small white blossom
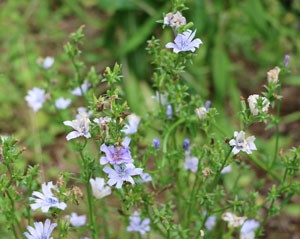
(248, 229)
(273, 74)
(253, 101)
(35, 98)
(201, 112)
(121, 174)
(40, 230)
(76, 220)
(83, 113)
(191, 163)
(99, 189)
(62, 103)
(80, 126)
(174, 20)
(48, 62)
(137, 224)
(133, 123)
(84, 87)
(161, 98)
(233, 220)
(46, 199)
(242, 144)
(185, 42)
(102, 121)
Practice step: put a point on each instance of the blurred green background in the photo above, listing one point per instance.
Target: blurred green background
(243, 39)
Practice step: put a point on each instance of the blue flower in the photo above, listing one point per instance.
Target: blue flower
(62, 103)
(137, 224)
(80, 126)
(156, 143)
(116, 155)
(186, 144)
(40, 230)
(35, 98)
(46, 199)
(185, 42)
(82, 89)
(133, 123)
(121, 174)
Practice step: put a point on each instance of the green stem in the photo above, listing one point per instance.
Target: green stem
(277, 127)
(165, 141)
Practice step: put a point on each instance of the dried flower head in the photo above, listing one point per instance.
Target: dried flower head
(273, 74)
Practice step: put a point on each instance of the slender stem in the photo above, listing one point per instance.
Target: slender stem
(277, 127)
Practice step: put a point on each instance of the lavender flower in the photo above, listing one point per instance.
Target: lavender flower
(82, 89)
(137, 224)
(35, 98)
(62, 103)
(227, 169)
(210, 222)
(83, 113)
(186, 144)
(115, 155)
(145, 178)
(169, 112)
(80, 126)
(156, 143)
(99, 189)
(121, 174)
(76, 220)
(133, 123)
(46, 200)
(185, 42)
(191, 163)
(248, 229)
(174, 20)
(48, 62)
(207, 104)
(287, 59)
(242, 144)
(40, 230)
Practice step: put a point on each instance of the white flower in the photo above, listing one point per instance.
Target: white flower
(77, 221)
(273, 74)
(174, 20)
(62, 103)
(83, 113)
(201, 112)
(48, 62)
(35, 98)
(138, 225)
(227, 169)
(84, 87)
(46, 199)
(99, 189)
(121, 174)
(210, 222)
(185, 42)
(248, 229)
(133, 123)
(40, 230)
(80, 126)
(253, 103)
(242, 144)
(145, 178)
(233, 220)
(102, 121)
(191, 163)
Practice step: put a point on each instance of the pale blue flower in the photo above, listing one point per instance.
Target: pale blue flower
(248, 229)
(169, 112)
(137, 224)
(84, 87)
(161, 98)
(227, 169)
(48, 62)
(80, 126)
(145, 178)
(242, 144)
(82, 112)
(207, 104)
(35, 98)
(116, 155)
(40, 230)
(185, 42)
(210, 222)
(76, 220)
(287, 59)
(62, 103)
(133, 123)
(46, 199)
(191, 163)
(121, 174)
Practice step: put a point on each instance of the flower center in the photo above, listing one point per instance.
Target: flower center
(51, 200)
